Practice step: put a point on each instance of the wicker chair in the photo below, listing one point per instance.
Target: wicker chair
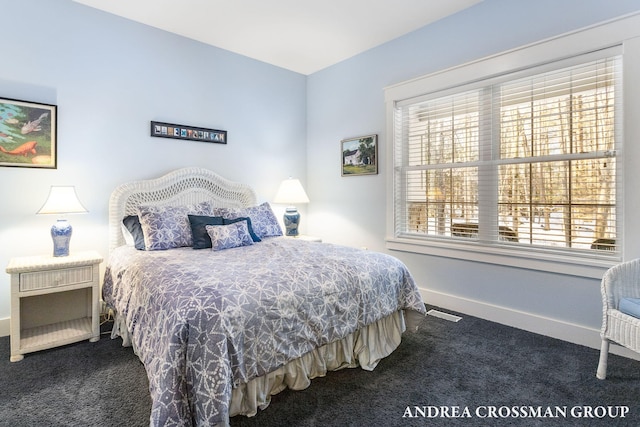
(620, 281)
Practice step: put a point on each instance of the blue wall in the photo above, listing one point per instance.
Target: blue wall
(347, 100)
(110, 77)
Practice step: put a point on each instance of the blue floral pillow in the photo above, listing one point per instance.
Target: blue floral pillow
(201, 239)
(263, 220)
(229, 236)
(254, 236)
(166, 227)
(198, 223)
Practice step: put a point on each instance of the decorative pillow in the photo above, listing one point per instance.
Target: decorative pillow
(229, 236)
(201, 239)
(254, 236)
(132, 225)
(166, 227)
(263, 220)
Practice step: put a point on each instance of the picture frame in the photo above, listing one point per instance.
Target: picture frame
(359, 155)
(28, 134)
(191, 133)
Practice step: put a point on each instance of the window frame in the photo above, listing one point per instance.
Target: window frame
(618, 34)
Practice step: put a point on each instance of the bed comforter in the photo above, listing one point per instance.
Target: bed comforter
(203, 321)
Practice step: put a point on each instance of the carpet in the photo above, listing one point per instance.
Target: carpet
(470, 373)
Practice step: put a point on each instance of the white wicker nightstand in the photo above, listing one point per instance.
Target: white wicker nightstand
(307, 238)
(54, 301)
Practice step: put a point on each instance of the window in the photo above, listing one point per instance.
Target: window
(527, 161)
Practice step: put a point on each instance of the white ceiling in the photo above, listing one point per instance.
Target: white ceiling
(300, 35)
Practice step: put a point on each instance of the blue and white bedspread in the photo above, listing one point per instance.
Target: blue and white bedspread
(203, 322)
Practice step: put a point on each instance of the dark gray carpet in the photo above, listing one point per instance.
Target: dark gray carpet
(472, 364)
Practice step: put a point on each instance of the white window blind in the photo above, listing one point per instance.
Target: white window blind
(526, 160)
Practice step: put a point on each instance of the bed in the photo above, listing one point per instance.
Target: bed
(221, 328)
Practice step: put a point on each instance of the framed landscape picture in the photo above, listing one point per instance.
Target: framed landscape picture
(28, 134)
(360, 155)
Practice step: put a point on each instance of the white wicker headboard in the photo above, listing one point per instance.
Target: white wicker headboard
(180, 187)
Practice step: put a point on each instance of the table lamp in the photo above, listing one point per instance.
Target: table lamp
(62, 200)
(291, 192)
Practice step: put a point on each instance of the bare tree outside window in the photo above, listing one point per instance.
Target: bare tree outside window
(528, 162)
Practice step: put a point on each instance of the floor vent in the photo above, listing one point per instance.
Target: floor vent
(446, 316)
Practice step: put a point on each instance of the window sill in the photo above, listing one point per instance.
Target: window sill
(506, 256)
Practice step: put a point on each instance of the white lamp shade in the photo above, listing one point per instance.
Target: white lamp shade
(291, 192)
(62, 200)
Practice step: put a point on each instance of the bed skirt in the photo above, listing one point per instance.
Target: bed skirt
(364, 348)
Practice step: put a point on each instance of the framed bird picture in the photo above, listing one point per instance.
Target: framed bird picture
(28, 134)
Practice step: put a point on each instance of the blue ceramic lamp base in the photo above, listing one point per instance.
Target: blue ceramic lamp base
(291, 221)
(61, 235)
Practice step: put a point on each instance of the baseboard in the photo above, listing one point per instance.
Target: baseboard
(554, 328)
(5, 327)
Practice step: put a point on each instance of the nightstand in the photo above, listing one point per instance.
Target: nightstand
(307, 238)
(54, 301)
